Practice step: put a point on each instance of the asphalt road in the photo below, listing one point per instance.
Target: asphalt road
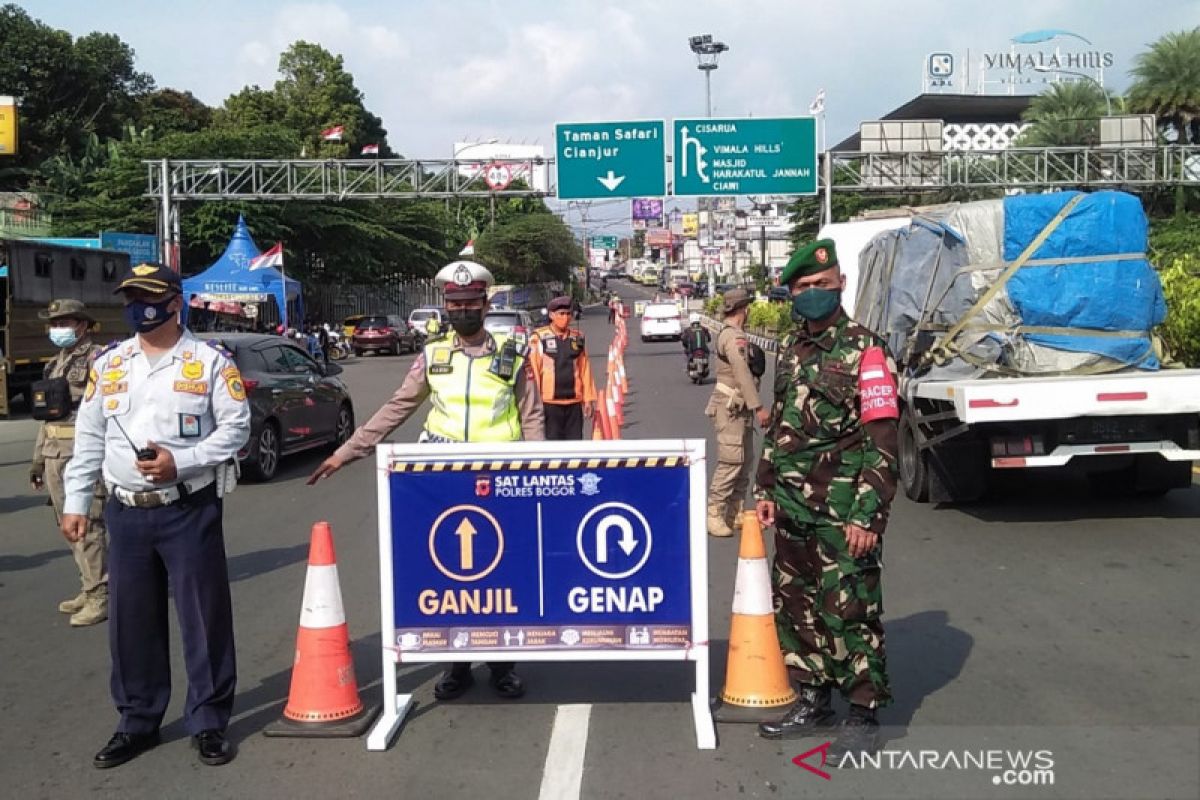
(1042, 618)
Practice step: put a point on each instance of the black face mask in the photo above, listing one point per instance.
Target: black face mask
(466, 321)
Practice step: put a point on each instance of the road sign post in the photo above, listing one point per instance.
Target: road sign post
(745, 156)
(542, 551)
(596, 160)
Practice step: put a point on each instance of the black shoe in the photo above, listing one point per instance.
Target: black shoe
(123, 747)
(455, 683)
(857, 735)
(507, 683)
(809, 714)
(214, 748)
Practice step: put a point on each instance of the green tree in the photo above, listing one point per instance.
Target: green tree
(533, 248)
(166, 111)
(1167, 83)
(314, 92)
(67, 90)
(1066, 114)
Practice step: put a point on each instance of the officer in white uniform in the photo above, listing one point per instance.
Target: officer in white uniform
(162, 419)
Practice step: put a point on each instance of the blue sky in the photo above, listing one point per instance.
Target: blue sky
(443, 71)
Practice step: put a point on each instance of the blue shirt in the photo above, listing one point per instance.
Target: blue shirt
(192, 402)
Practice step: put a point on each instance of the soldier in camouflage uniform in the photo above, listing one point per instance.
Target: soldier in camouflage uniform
(826, 481)
(69, 330)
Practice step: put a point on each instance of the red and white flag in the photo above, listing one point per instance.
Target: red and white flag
(370, 150)
(271, 258)
(469, 250)
(333, 134)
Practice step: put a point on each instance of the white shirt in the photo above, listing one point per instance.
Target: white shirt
(192, 402)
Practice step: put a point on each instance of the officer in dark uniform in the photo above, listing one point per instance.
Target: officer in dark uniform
(563, 372)
(162, 419)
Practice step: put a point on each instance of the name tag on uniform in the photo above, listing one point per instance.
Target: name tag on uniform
(441, 369)
(191, 387)
(189, 426)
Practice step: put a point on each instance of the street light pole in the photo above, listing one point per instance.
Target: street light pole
(707, 54)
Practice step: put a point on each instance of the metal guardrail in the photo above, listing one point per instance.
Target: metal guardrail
(24, 222)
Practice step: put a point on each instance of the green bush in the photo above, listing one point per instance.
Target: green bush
(769, 319)
(712, 306)
(1181, 331)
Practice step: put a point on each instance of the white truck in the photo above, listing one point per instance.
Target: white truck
(989, 382)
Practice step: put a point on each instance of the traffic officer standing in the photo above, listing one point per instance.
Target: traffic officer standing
(826, 481)
(56, 399)
(733, 406)
(480, 389)
(163, 418)
(563, 373)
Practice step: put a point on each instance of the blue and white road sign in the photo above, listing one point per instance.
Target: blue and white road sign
(543, 551)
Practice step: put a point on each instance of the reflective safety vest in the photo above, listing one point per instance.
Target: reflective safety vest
(561, 366)
(470, 402)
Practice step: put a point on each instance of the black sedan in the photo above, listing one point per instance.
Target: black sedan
(296, 403)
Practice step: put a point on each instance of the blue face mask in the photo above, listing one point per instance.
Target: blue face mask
(63, 337)
(815, 304)
(144, 317)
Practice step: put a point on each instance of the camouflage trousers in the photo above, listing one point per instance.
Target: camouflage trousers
(827, 609)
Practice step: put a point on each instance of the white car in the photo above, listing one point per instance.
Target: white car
(514, 322)
(662, 321)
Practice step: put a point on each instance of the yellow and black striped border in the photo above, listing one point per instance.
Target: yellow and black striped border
(507, 465)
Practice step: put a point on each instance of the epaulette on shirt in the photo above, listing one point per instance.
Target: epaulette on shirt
(220, 348)
(105, 350)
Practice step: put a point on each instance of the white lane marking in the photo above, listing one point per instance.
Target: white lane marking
(562, 777)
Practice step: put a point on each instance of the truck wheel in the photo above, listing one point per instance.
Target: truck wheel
(914, 463)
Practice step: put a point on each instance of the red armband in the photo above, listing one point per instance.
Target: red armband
(876, 387)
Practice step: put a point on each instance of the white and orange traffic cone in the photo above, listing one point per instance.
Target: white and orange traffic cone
(756, 680)
(323, 700)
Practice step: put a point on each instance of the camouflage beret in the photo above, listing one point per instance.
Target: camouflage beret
(809, 260)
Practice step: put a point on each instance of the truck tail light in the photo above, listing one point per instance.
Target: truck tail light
(250, 384)
(1024, 445)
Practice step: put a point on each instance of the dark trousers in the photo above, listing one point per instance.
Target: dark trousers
(181, 546)
(564, 421)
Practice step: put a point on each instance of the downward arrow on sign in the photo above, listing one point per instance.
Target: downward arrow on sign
(611, 181)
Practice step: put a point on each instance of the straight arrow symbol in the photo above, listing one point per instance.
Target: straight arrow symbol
(611, 181)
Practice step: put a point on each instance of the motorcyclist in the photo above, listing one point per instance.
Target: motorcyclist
(696, 337)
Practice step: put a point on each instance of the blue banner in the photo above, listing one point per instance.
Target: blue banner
(141, 247)
(541, 554)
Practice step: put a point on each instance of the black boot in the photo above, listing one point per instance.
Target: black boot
(858, 734)
(810, 713)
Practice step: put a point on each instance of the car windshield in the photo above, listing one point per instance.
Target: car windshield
(373, 322)
(662, 311)
(502, 319)
(421, 315)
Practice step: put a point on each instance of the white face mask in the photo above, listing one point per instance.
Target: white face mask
(63, 337)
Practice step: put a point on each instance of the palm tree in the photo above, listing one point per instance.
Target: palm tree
(1068, 113)
(1167, 83)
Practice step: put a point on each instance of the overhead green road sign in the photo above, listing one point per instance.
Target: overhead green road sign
(604, 243)
(596, 160)
(745, 156)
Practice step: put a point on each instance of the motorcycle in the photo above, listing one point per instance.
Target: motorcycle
(697, 366)
(339, 347)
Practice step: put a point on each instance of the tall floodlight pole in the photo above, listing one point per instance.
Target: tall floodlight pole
(707, 54)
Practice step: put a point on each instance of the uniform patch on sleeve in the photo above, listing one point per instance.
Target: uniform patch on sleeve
(876, 387)
(93, 377)
(233, 383)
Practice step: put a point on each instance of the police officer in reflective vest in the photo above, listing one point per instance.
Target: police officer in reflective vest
(55, 400)
(733, 406)
(163, 417)
(561, 368)
(480, 389)
(826, 482)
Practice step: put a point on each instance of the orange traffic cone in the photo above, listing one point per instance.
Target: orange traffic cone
(621, 374)
(756, 681)
(323, 700)
(599, 427)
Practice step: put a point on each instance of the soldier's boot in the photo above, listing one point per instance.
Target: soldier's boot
(858, 734)
(74, 604)
(718, 527)
(95, 609)
(808, 715)
(733, 516)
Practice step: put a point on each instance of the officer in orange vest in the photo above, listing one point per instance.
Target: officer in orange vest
(563, 373)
